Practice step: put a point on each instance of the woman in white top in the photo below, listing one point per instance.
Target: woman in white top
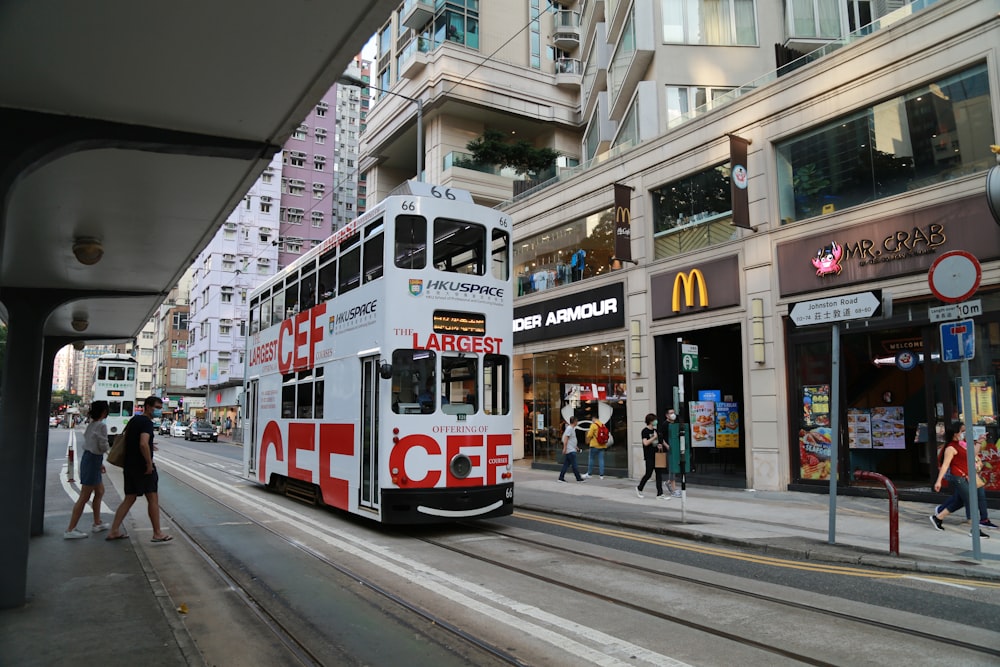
(95, 444)
(569, 451)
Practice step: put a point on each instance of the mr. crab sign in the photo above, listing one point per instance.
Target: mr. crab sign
(827, 260)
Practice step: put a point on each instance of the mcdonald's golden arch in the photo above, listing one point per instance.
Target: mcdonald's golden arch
(686, 282)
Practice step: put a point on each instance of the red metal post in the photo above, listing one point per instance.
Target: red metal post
(69, 464)
(893, 506)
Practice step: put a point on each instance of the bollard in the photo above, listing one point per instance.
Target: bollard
(893, 506)
(69, 464)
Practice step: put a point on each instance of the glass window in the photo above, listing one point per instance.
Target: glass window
(292, 295)
(304, 401)
(459, 247)
(102, 373)
(130, 374)
(714, 22)
(571, 252)
(307, 290)
(496, 393)
(278, 305)
(288, 396)
(414, 390)
(930, 134)
(116, 372)
(411, 242)
(373, 257)
(318, 385)
(327, 275)
(459, 384)
(500, 254)
(350, 271)
(692, 212)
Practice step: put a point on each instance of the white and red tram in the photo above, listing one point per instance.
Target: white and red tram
(379, 364)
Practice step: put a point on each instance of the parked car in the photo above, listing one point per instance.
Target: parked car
(179, 429)
(201, 430)
(53, 422)
(165, 427)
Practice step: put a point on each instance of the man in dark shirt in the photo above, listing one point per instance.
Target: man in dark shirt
(141, 478)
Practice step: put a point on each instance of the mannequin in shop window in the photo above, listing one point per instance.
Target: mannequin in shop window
(577, 263)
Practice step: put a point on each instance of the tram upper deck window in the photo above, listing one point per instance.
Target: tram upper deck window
(292, 294)
(459, 247)
(116, 373)
(327, 275)
(411, 242)
(350, 271)
(307, 289)
(130, 374)
(414, 390)
(254, 315)
(278, 304)
(374, 251)
(265, 313)
(500, 254)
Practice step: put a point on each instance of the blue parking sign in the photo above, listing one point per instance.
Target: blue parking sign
(958, 340)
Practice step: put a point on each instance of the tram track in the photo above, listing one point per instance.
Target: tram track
(286, 635)
(712, 629)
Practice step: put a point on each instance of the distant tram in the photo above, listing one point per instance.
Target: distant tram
(115, 382)
(379, 365)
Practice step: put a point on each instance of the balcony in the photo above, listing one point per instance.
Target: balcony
(413, 58)
(416, 14)
(569, 72)
(566, 30)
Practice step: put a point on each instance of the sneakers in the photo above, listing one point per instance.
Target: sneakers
(99, 528)
(936, 522)
(986, 523)
(676, 494)
(981, 534)
(581, 480)
(74, 534)
(562, 480)
(662, 497)
(602, 476)
(638, 492)
(586, 475)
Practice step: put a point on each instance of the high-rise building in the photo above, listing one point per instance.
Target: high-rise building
(352, 108)
(729, 192)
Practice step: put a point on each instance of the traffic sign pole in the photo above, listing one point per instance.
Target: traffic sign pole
(970, 452)
(834, 432)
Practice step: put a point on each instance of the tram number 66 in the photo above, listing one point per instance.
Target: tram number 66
(510, 492)
(447, 194)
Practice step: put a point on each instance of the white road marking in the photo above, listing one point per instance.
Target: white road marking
(609, 651)
(942, 583)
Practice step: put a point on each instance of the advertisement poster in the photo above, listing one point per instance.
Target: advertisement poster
(859, 429)
(887, 428)
(702, 423)
(990, 457)
(815, 434)
(727, 425)
(984, 402)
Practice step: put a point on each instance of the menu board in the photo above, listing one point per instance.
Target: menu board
(815, 436)
(887, 428)
(702, 423)
(727, 425)
(984, 403)
(859, 429)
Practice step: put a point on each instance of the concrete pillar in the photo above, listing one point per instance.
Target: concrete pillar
(19, 417)
(38, 478)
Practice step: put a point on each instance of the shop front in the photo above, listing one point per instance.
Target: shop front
(897, 391)
(568, 366)
(699, 371)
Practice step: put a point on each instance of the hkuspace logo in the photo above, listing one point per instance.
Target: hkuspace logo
(355, 317)
(456, 289)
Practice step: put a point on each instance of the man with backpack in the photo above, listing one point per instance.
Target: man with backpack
(598, 439)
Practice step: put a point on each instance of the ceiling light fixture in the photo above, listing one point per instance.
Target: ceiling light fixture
(88, 250)
(80, 323)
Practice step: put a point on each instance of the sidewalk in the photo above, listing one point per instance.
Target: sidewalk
(93, 601)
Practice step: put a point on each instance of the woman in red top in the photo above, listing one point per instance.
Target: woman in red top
(956, 462)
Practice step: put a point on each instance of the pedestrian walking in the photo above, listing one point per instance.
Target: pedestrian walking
(670, 417)
(229, 425)
(598, 440)
(955, 462)
(141, 478)
(569, 451)
(650, 445)
(95, 444)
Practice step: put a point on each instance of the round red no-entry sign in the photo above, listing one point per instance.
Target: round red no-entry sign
(955, 276)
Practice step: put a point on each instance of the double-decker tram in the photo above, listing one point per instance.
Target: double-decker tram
(379, 365)
(115, 382)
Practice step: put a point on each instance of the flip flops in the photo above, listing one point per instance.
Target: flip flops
(165, 538)
(112, 538)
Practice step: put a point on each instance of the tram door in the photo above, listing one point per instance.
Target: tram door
(250, 424)
(369, 433)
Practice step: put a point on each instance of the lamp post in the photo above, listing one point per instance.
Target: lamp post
(348, 80)
(208, 371)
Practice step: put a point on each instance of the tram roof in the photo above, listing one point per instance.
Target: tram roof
(141, 126)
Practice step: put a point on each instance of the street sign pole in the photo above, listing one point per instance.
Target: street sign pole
(835, 431)
(970, 452)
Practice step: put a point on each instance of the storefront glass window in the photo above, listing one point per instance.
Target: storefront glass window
(572, 252)
(588, 382)
(930, 134)
(693, 212)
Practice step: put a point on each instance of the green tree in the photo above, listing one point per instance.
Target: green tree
(493, 148)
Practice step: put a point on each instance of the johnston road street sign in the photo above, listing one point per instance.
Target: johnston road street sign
(837, 308)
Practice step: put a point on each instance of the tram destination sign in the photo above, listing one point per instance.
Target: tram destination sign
(833, 309)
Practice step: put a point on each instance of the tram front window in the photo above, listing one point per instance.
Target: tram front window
(414, 390)
(460, 382)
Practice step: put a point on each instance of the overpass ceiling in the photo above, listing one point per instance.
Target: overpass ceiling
(143, 125)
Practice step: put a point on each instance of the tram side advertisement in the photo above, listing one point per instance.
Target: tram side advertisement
(815, 436)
